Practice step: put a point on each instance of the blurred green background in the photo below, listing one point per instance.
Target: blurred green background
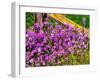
(75, 17)
(29, 19)
(78, 19)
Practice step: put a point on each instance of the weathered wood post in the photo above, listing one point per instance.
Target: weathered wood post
(38, 19)
(84, 22)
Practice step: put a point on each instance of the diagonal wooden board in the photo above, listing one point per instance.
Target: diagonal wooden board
(64, 20)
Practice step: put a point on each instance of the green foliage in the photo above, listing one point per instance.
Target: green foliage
(52, 21)
(78, 19)
(29, 19)
(75, 59)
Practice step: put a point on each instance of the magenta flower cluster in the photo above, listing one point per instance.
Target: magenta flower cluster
(50, 45)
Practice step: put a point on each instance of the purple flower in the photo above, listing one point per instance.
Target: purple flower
(46, 56)
(31, 60)
(43, 63)
(69, 43)
(45, 45)
(39, 49)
